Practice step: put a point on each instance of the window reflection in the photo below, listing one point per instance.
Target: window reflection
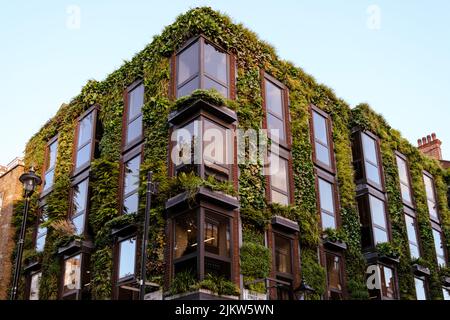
(84, 144)
(134, 117)
(279, 180)
(51, 163)
(439, 247)
(334, 276)
(80, 194)
(215, 63)
(326, 196)
(431, 200)
(131, 185)
(371, 160)
(127, 258)
(387, 282)
(411, 230)
(420, 289)
(378, 213)
(217, 235)
(41, 233)
(185, 235)
(282, 254)
(34, 286)
(188, 63)
(404, 180)
(72, 274)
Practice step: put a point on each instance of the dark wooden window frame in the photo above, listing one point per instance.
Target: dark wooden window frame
(130, 155)
(29, 278)
(343, 290)
(93, 140)
(395, 277)
(329, 125)
(321, 174)
(425, 284)
(84, 266)
(200, 254)
(201, 74)
(45, 192)
(226, 169)
(412, 214)
(76, 181)
(117, 282)
(438, 228)
(408, 172)
(287, 156)
(38, 223)
(287, 143)
(359, 145)
(433, 219)
(125, 121)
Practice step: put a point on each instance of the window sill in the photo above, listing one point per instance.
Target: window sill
(421, 270)
(375, 257)
(76, 246)
(200, 294)
(223, 113)
(334, 245)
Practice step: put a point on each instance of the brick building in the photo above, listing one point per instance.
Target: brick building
(10, 191)
(336, 190)
(431, 146)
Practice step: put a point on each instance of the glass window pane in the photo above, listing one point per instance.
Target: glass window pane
(438, 245)
(84, 155)
(283, 254)
(135, 102)
(127, 258)
(72, 274)
(215, 142)
(320, 128)
(420, 289)
(217, 235)
(52, 151)
(215, 63)
(275, 127)
(40, 243)
(388, 284)
(373, 173)
(132, 168)
(326, 196)
(380, 235)
(187, 138)
(406, 193)
(328, 222)
(279, 177)
(323, 154)
(429, 188)
(78, 222)
(333, 272)
(85, 130)
(34, 286)
(188, 63)
(185, 235)
(446, 293)
(131, 204)
(432, 209)
(80, 197)
(187, 88)
(378, 212)
(414, 251)
(370, 149)
(134, 129)
(210, 84)
(280, 198)
(49, 175)
(402, 171)
(274, 99)
(411, 229)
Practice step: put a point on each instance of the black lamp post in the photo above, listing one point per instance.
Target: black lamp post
(30, 181)
(151, 190)
(304, 289)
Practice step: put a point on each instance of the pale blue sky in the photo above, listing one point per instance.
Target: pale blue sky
(402, 69)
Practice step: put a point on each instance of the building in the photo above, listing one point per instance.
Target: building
(335, 200)
(431, 146)
(10, 192)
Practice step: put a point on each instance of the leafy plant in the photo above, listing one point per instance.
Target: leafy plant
(335, 235)
(387, 249)
(219, 285)
(183, 281)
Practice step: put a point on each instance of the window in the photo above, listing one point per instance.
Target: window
(185, 235)
(215, 144)
(405, 185)
(217, 235)
(420, 289)
(379, 223)
(279, 181)
(34, 286)
(274, 100)
(135, 101)
(79, 206)
(72, 274)
(52, 150)
(446, 293)
(439, 247)
(202, 65)
(334, 276)
(321, 140)
(131, 185)
(127, 258)
(41, 233)
(411, 228)
(86, 128)
(283, 253)
(371, 162)
(387, 282)
(431, 198)
(327, 206)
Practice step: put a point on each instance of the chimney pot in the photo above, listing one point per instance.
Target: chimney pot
(419, 142)
(424, 140)
(433, 136)
(429, 138)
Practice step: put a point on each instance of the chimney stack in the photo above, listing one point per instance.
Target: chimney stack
(431, 146)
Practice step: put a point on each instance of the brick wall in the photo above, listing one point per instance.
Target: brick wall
(10, 191)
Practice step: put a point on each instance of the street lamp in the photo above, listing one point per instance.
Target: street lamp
(304, 289)
(30, 181)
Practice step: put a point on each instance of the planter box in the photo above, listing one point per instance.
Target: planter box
(200, 294)
(76, 246)
(252, 295)
(375, 257)
(334, 245)
(124, 230)
(219, 198)
(32, 266)
(446, 282)
(421, 270)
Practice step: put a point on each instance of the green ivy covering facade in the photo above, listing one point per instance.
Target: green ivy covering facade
(152, 65)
